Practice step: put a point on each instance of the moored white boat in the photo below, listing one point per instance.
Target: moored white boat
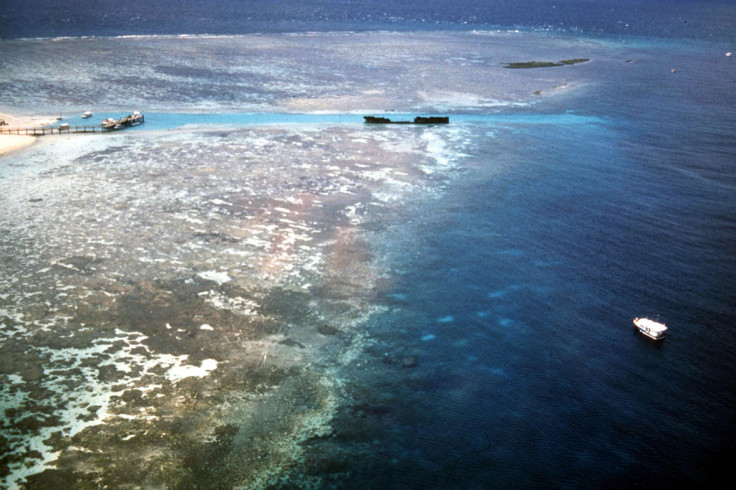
(650, 328)
(87, 114)
(135, 119)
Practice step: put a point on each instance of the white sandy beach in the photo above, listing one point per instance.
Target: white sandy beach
(12, 142)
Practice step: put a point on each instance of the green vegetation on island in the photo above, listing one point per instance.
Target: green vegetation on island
(545, 64)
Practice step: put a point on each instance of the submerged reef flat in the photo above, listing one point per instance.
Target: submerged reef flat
(406, 72)
(174, 306)
(178, 308)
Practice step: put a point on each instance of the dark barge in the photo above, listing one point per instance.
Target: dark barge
(417, 120)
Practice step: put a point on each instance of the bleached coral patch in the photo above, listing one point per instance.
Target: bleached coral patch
(214, 276)
(179, 371)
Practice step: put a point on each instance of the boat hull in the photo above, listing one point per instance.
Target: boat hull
(651, 336)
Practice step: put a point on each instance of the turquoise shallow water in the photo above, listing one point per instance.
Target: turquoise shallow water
(159, 121)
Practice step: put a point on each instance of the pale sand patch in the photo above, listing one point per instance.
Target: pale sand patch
(23, 121)
(12, 142)
(363, 103)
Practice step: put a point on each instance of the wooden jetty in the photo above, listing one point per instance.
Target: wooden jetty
(107, 125)
(44, 130)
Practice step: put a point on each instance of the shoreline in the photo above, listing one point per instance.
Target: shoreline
(14, 142)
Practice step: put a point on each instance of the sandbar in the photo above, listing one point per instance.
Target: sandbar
(13, 142)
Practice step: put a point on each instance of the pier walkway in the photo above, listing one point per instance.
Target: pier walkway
(107, 125)
(44, 131)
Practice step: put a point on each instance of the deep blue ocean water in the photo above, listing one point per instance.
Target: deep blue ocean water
(517, 290)
(50, 18)
(532, 277)
(525, 286)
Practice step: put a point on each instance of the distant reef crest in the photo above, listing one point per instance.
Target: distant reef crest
(545, 64)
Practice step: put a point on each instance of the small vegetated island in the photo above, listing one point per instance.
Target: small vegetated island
(545, 64)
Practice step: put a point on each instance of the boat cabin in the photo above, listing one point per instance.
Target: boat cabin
(650, 328)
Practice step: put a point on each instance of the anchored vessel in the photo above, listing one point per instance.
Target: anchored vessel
(417, 120)
(650, 328)
(131, 120)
